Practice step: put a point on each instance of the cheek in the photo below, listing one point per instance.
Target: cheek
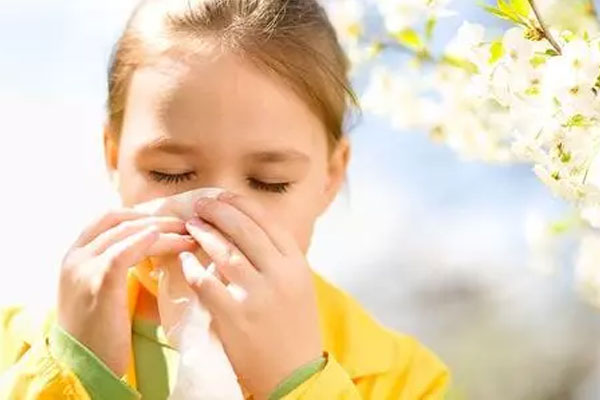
(305, 207)
(132, 188)
(299, 225)
(135, 187)
(297, 216)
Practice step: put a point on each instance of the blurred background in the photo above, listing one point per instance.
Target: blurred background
(433, 246)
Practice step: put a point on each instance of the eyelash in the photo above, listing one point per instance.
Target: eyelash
(168, 179)
(281, 187)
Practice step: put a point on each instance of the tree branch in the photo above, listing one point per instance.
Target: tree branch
(544, 27)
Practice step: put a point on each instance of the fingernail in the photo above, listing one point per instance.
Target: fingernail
(226, 196)
(196, 222)
(192, 269)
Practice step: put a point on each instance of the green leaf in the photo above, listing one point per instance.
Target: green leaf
(409, 38)
(504, 6)
(521, 7)
(460, 63)
(514, 8)
(562, 226)
(537, 60)
(497, 12)
(552, 52)
(577, 120)
(496, 51)
(429, 27)
(532, 91)
(586, 36)
(565, 157)
(567, 36)
(508, 15)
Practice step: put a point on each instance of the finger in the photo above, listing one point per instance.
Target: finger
(218, 251)
(241, 230)
(105, 222)
(281, 238)
(122, 255)
(127, 228)
(211, 292)
(229, 260)
(172, 243)
(239, 272)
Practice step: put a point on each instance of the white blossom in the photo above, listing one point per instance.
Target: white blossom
(467, 42)
(396, 97)
(347, 18)
(520, 97)
(403, 14)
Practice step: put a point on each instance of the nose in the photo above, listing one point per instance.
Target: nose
(220, 183)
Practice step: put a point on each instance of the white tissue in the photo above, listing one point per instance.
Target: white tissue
(204, 371)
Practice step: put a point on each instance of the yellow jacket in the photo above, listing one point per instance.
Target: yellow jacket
(364, 359)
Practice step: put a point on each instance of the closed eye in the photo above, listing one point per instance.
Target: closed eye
(174, 179)
(171, 178)
(280, 187)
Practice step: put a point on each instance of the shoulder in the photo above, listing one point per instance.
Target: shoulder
(364, 347)
(21, 326)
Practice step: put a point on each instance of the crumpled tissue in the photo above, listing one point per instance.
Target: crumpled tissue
(204, 371)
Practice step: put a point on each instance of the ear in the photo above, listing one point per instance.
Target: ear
(338, 165)
(111, 155)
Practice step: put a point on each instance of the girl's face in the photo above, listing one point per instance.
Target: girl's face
(220, 121)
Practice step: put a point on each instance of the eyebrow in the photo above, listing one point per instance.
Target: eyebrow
(275, 156)
(169, 146)
(166, 145)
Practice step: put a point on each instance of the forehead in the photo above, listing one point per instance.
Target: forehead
(217, 98)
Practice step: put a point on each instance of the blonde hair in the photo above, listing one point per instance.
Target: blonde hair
(291, 38)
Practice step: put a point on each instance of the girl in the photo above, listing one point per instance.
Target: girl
(247, 95)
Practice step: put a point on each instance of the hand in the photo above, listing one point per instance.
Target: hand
(92, 296)
(274, 328)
